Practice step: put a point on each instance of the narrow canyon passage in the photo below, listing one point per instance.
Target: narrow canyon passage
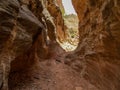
(33, 31)
(51, 73)
(71, 26)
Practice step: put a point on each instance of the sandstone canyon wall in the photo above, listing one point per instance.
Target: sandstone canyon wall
(31, 58)
(56, 10)
(24, 27)
(99, 42)
(60, 4)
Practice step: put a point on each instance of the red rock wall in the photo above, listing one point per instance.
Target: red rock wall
(56, 13)
(24, 27)
(99, 43)
(26, 24)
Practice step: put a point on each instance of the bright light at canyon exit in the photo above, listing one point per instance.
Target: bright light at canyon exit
(68, 7)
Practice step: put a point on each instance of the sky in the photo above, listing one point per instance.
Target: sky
(68, 7)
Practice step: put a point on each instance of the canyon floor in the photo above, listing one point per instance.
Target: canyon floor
(32, 59)
(52, 74)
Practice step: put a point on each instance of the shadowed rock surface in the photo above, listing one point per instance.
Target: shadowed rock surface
(32, 59)
(99, 28)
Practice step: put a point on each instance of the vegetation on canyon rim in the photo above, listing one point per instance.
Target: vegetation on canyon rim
(72, 35)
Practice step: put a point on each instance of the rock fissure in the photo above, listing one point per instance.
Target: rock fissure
(32, 59)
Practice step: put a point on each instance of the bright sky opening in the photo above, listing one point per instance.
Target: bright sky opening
(68, 7)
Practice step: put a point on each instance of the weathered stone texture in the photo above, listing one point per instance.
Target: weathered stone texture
(99, 43)
(24, 28)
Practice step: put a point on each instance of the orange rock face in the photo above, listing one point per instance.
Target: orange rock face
(55, 10)
(99, 43)
(31, 61)
(24, 27)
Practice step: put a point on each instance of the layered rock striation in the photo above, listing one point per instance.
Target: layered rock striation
(98, 50)
(25, 26)
(31, 58)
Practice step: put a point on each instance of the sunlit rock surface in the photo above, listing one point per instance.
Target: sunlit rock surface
(72, 35)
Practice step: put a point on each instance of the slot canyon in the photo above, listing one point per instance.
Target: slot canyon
(31, 36)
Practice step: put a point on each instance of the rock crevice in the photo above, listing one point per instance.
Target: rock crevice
(31, 58)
